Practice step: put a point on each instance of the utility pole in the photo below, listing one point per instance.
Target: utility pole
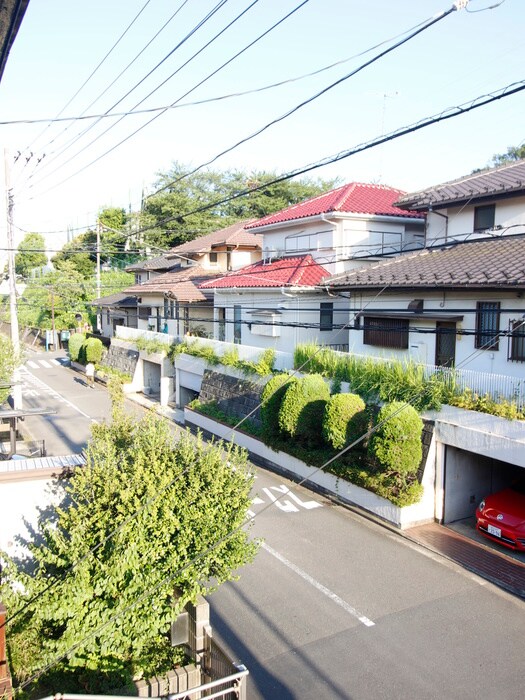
(99, 316)
(15, 338)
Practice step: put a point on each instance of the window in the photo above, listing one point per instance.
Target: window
(213, 258)
(517, 341)
(385, 332)
(326, 318)
(484, 217)
(487, 325)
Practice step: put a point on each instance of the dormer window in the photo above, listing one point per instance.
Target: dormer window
(484, 217)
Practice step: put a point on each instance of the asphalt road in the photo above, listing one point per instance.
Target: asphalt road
(335, 606)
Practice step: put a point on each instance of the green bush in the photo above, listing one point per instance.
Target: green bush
(271, 399)
(396, 444)
(302, 408)
(94, 350)
(344, 420)
(76, 341)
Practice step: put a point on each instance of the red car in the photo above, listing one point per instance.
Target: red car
(501, 517)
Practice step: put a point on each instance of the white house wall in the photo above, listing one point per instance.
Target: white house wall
(422, 345)
(460, 220)
(298, 311)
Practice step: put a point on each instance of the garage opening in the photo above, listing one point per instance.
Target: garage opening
(469, 477)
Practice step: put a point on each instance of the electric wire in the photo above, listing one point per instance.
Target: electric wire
(201, 82)
(218, 98)
(194, 29)
(93, 72)
(314, 97)
(83, 115)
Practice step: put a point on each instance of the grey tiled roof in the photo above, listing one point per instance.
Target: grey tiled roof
(493, 263)
(159, 264)
(489, 184)
(118, 299)
(234, 235)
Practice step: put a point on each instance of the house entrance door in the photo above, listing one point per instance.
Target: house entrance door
(445, 343)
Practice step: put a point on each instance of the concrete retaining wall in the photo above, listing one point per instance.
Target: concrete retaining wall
(346, 492)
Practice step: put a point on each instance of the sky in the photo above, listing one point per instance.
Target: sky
(73, 58)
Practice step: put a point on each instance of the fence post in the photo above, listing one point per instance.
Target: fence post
(5, 677)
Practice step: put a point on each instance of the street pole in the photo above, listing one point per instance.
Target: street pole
(99, 316)
(15, 338)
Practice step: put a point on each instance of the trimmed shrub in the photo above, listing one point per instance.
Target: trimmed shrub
(343, 419)
(271, 399)
(396, 444)
(76, 341)
(302, 408)
(93, 350)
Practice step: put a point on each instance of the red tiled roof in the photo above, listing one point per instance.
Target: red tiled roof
(354, 198)
(287, 272)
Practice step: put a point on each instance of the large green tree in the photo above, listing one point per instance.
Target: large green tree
(31, 254)
(65, 292)
(147, 516)
(167, 217)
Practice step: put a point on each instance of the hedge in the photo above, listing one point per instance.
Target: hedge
(302, 408)
(76, 341)
(344, 419)
(396, 444)
(271, 399)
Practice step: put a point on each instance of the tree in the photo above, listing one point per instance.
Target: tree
(8, 362)
(513, 154)
(116, 574)
(30, 254)
(59, 294)
(166, 214)
(79, 255)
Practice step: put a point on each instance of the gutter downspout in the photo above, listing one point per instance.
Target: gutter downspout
(438, 213)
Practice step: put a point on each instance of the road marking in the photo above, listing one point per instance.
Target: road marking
(52, 392)
(45, 364)
(319, 586)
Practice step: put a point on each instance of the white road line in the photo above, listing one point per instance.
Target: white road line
(51, 391)
(319, 586)
(45, 364)
(56, 362)
(32, 364)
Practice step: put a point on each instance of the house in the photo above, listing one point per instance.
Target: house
(165, 296)
(490, 202)
(122, 309)
(459, 305)
(280, 301)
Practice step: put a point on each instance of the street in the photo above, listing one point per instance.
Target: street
(334, 606)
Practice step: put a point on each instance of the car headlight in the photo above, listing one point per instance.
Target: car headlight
(481, 505)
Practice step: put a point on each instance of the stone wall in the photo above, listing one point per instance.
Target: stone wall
(122, 359)
(236, 397)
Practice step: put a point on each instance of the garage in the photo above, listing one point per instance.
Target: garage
(476, 454)
(468, 478)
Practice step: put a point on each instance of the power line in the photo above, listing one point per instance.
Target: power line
(198, 26)
(94, 71)
(218, 98)
(210, 75)
(137, 56)
(314, 97)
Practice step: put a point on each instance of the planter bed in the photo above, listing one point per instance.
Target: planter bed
(329, 484)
